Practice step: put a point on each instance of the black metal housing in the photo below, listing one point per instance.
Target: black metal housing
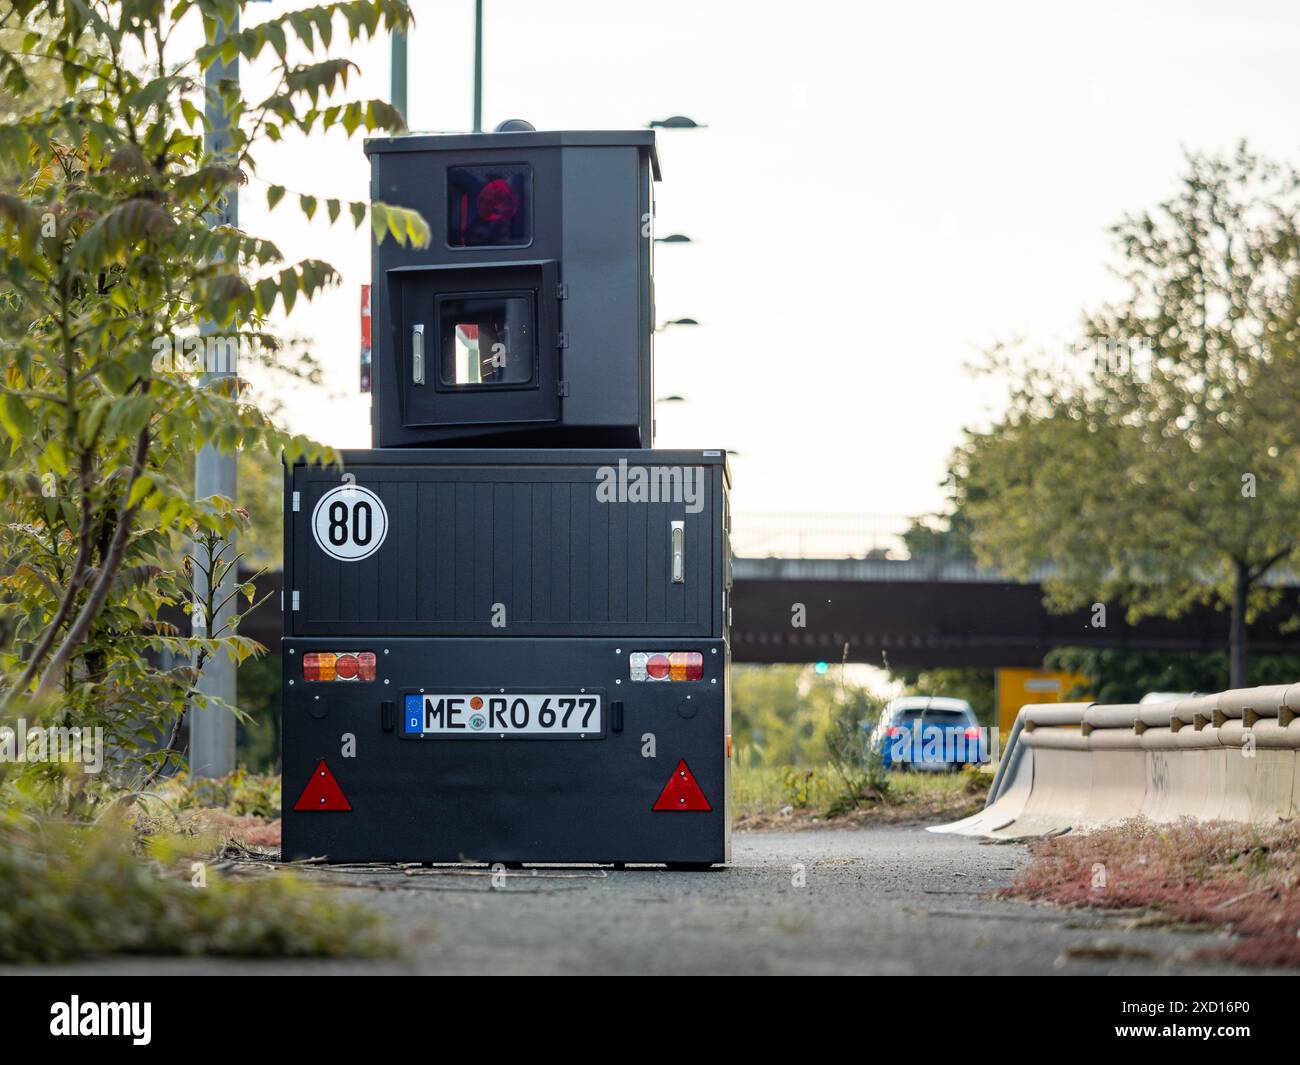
(486, 799)
(585, 269)
(585, 580)
(546, 556)
(469, 529)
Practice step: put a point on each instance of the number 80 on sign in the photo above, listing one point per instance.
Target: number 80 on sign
(349, 523)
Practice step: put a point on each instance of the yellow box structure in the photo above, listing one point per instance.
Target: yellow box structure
(1019, 687)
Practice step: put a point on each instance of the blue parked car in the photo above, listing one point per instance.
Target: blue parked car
(928, 734)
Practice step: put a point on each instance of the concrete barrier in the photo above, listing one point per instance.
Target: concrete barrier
(1225, 757)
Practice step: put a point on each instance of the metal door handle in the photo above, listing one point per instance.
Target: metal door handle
(679, 552)
(417, 353)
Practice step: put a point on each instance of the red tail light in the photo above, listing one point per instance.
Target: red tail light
(338, 665)
(345, 667)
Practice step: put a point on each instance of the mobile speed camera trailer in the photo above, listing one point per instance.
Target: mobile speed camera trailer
(506, 626)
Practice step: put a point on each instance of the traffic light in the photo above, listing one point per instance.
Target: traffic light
(527, 320)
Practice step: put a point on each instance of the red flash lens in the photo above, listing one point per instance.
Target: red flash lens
(497, 202)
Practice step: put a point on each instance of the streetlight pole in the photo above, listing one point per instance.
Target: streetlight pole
(478, 66)
(397, 67)
(212, 730)
(397, 74)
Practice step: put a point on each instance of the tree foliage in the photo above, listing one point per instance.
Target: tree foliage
(1124, 675)
(1162, 470)
(111, 255)
(785, 714)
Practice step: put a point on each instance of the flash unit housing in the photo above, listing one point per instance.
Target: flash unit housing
(528, 319)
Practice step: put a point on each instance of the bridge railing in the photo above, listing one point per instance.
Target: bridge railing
(870, 536)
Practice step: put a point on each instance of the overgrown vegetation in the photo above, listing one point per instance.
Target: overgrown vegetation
(784, 714)
(813, 728)
(1240, 879)
(130, 303)
(75, 892)
(803, 755)
(242, 793)
(804, 796)
(113, 253)
(855, 766)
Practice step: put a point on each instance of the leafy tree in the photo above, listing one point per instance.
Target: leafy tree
(1167, 472)
(945, 536)
(109, 259)
(41, 84)
(258, 735)
(261, 488)
(786, 713)
(1124, 675)
(764, 705)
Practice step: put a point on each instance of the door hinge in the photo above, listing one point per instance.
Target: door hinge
(562, 290)
(562, 341)
(295, 602)
(562, 388)
(297, 502)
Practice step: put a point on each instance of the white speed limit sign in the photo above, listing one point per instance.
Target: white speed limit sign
(349, 523)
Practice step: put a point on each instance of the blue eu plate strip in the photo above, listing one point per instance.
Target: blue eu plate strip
(414, 713)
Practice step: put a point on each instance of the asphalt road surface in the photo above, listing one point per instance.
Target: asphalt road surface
(887, 900)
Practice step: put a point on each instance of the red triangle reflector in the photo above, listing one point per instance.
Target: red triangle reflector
(322, 792)
(682, 792)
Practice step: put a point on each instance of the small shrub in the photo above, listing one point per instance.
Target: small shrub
(802, 786)
(76, 892)
(857, 771)
(241, 793)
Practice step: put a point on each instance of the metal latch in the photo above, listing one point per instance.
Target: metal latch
(297, 502)
(679, 552)
(417, 353)
(293, 603)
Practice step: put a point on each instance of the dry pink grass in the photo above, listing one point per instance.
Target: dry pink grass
(1240, 878)
(246, 828)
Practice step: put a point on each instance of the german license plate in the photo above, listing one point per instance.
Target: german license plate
(524, 715)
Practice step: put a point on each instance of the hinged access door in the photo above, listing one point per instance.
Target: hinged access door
(500, 550)
(477, 344)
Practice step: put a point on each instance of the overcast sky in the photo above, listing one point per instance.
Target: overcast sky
(881, 191)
